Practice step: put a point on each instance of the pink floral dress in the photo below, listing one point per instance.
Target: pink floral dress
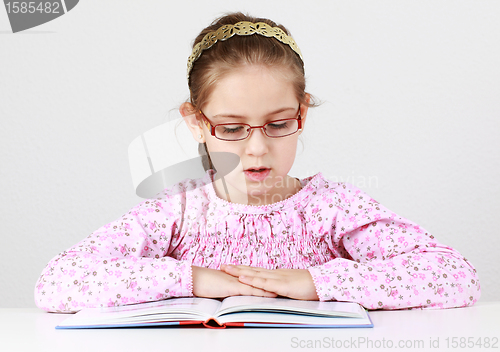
(355, 249)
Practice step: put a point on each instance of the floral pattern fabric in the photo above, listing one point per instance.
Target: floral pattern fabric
(355, 249)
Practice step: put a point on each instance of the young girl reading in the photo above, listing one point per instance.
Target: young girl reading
(256, 231)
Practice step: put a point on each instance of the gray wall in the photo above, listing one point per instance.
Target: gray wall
(410, 114)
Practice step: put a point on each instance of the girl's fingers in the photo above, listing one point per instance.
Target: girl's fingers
(247, 290)
(238, 270)
(243, 267)
(257, 292)
(266, 284)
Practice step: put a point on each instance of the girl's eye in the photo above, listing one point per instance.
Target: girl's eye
(232, 129)
(278, 126)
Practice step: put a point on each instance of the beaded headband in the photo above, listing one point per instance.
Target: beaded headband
(241, 28)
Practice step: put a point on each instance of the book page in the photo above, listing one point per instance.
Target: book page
(172, 309)
(275, 319)
(286, 305)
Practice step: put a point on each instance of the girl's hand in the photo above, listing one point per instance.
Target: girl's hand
(213, 283)
(293, 283)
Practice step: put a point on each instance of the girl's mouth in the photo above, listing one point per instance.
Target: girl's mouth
(257, 174)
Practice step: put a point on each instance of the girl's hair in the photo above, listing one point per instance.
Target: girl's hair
(219, 60)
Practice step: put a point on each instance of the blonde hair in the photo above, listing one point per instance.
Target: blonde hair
(225, 56)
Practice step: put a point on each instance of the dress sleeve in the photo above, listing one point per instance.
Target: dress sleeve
(387, 262)
(123, 262)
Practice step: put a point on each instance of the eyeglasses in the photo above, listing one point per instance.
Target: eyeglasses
(240, 131)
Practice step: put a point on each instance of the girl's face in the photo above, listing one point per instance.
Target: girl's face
(255, 95)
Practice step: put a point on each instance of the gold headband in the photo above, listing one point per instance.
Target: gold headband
(241, 28)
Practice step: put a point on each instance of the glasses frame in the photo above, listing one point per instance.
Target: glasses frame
(212, 127)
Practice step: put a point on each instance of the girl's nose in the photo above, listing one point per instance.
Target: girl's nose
(257, 142)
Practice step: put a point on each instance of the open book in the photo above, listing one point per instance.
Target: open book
(239, 311)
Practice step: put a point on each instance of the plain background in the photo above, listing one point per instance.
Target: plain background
(410, 114)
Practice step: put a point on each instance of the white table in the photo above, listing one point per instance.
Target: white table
(416, 330)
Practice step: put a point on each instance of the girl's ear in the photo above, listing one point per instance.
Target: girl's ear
(190, 116)
(303, 111)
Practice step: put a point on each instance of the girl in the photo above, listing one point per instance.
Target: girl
(256, 231)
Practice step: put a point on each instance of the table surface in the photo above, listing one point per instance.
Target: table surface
(31, 329)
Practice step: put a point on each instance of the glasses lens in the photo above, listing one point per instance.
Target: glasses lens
(231, 132)
(282, 128)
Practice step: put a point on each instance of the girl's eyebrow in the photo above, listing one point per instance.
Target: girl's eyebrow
(241, 116)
